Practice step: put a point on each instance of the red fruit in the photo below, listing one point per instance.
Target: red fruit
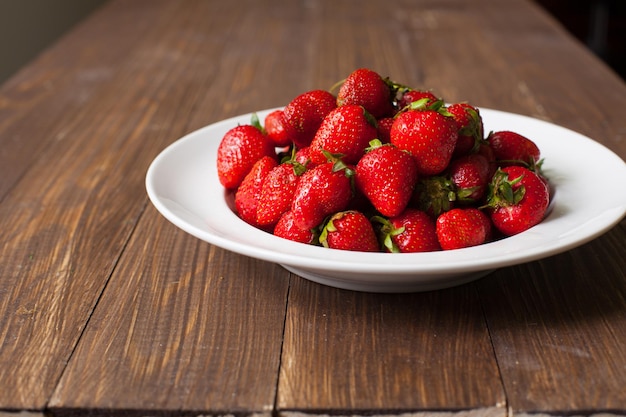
(462, 228)
(346, 131)
(511, 148)
(287, 229)
(303, 157)
(238, 151)
(384, 129)
(322, 190)
(304, 114)
(411, 96)
(387, 175)
(429, 134)
(470, 124)
(485, 150)
(411, 231)
(518, 199)
(349, 230)
(367, 88)
(247, 195)
(275, 129)
(470, 175)
(277, 191)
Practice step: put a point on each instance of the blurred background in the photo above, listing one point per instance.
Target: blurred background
(29, 26)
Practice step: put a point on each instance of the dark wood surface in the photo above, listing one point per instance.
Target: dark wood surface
(108, 309)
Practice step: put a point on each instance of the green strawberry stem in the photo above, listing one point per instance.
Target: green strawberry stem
(298, 168)
(387, 232)
(501, 192)
(435, 194)
(328, 227)
(374, 143)
(427, 104)
(256, 122)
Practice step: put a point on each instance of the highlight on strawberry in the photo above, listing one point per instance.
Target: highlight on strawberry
(375, 165)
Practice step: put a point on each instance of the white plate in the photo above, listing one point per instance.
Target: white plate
(182, 184)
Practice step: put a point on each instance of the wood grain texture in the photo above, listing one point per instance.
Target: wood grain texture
(559, 336)
(197, 329)
(66, 223)
(346, 350)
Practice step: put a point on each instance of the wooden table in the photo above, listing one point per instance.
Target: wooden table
(108, 309)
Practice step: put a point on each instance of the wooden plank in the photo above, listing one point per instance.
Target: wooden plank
(66, 224)
(352, 352)
(559, 330)
(249, 296)
(578, 91)
(58, 84)
(190, 328)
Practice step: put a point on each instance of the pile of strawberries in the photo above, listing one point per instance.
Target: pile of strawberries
(382, 167)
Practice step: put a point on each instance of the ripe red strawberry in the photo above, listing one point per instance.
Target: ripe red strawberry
(304, 114)
(247, 195)
(410, 96)
(511, 148)
(430, 134)
(275, 128)
(384, 129)
(287, 229)
(386, 175)
(518, 199)
(412, 231)
(349, 230)
(322, 190)
(470, 175)
(367, 88)
(238, 151)
(485, 150)
(470, 124)
(277, 191)
(345, 131)
(462, 228)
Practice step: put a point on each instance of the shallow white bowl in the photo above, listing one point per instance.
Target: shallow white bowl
(182, 184)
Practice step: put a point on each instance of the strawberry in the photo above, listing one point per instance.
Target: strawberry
(386, 175)
(238, 151)
(287, 229)
(247, 195)
(304, 114)
(470, 176)
(321, 191)
(275, 128)
(349, 230)
(511, 148)
(345, 131)
(411, 231)
(410, 96)
(517, 200)
(303, 157)
(277, 191)
(429, 133)
(384, 129)
(485, 150)
(367, 88)
(462, 228)
(470, 124)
